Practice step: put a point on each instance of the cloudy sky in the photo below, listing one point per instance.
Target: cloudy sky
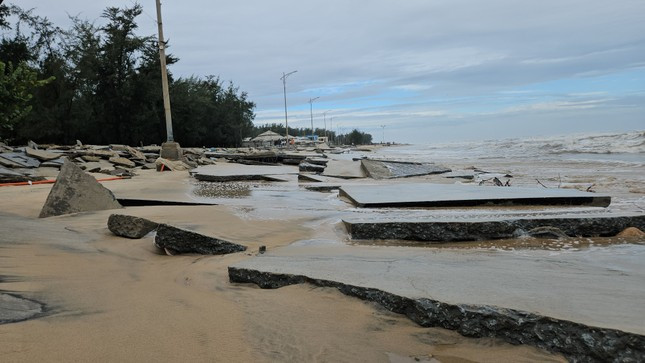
(428, 70)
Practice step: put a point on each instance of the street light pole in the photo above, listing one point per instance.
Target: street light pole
(311, 112)
(325, 120)
(383, 139)
(164, 76)
(284, 87)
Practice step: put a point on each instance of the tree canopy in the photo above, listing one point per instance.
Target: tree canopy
(101, 84)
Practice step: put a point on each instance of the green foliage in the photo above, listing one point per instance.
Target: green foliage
(16, 86)
(357, 138)
(104, 86)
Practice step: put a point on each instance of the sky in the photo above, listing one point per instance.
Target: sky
(413, 71)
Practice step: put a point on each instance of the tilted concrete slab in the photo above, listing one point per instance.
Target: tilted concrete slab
(472, 229)
(560, 301)
(384, 169)
(345, 169)
(237, 172)
(453, 195)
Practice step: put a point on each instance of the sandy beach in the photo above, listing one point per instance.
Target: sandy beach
(113, 299)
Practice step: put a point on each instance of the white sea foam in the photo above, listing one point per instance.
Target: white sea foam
(623, 147)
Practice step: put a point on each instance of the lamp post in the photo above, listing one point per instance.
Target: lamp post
(383, 139)
(331, 126)
(325, 120)
(284, 87)
(311, 113)
(169, 149)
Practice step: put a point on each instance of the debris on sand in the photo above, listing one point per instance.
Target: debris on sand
(130, 226)
(75, 191)
(176, 240)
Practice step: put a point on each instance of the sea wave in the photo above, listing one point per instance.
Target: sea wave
(629, 146)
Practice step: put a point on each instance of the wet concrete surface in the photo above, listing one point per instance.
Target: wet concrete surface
(345, 169)
(225, 172)
(444, 195)
(597, 287)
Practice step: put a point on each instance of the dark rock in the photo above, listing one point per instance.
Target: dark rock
(130, 226)
(76, 191)
(183, 241)
(262, 249)
(575, 341)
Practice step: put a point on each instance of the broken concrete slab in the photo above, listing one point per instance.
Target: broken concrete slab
(133, 202)
(56, 163)
(226, 172)
(345, 169)
(176, 240)
(116, 160)
(130, 226)
(21, 159)
(304, 166)
(41, 154)
(75, 191)
(15, 308)
(12, 176)
(90, 158)
(413, 195)
(171, 165)
(134, 153)
(310, 178)
(388, 169)
(473, 229)
(568, 303)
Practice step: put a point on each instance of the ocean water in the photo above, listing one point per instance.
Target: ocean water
(623, 147)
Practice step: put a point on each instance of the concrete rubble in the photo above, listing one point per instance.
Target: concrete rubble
(474, 229)
(75, 191)
(175, 240)
(130, 226)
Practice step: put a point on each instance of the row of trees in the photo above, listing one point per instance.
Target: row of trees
(101, 85)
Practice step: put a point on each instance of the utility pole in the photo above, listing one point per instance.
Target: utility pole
(170, 149)
(284, 87)
(331, 126)
(383, 139)
(325, 120)
(311, 112)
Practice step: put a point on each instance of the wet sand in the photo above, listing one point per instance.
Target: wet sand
(114, 299)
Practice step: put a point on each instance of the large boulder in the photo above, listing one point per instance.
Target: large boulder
(75, 191)
(176, 240)
(130, 226)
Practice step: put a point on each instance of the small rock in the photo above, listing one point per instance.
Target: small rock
(122, 161)
(130, 226)
(32, 145)
(631, 232)
(262, 249)
(183, 241)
